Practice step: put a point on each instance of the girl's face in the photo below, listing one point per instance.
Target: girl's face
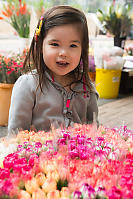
(62, 49)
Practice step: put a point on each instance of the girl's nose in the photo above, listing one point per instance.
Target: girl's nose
(63, 52)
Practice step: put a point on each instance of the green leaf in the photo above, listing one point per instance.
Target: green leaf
(62, 183)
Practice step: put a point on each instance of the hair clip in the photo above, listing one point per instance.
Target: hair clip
(38, 30)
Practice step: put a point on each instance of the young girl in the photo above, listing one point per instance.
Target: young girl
(57, 88)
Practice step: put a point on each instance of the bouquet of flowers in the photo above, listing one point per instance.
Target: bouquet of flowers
(17, 14)
(116, 19)
(11, 67)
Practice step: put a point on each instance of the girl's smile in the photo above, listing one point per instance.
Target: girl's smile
(62, 63)
(62, 50)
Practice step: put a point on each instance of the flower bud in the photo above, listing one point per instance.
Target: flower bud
(40, 177)
(31, 185)
(65, 192)
(49, 185)
(54, 175)
(53, 194)
(38, 194)
(24, 195)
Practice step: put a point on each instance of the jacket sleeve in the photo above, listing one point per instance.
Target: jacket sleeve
(22, 103)
(92, 111)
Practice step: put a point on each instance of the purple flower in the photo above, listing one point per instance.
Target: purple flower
(77, 195)
(80, 140)
(100, 139)
(72, 145)
(20, 147)
(91, 63)
(38, 144)
(49, 142)
(66, 135)
(83, 156)
(88, 191)
(62, 141)
(74, 153)
(101, 192)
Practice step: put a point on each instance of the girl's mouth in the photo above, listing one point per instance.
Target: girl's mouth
(61, 64)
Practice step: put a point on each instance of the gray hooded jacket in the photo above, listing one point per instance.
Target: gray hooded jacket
(30, 107)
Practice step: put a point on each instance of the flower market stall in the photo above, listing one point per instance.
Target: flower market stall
(78, 162)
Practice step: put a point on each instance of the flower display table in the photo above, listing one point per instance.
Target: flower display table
(79, 162)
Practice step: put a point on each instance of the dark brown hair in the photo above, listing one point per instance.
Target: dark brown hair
(57, 16)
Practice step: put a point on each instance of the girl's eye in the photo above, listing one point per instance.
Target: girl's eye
(73, 45)
(54, 44)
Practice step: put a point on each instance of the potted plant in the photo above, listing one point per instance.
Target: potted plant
(116, 20)
(10, 69)
(18, 16)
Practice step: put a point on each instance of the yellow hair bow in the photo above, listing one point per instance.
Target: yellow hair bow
(38, 30)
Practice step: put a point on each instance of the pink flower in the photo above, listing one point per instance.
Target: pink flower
(38, 144)
(74, 154)
(33, 159)
(19, 164)
(76, 195)
(1, 185)
(115, 193)
(9, 160)
(27, 172)
(10, 71)
(7, 186)
(4, 173)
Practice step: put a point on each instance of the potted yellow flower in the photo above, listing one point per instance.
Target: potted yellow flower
(117, 21)
(10, 69)
(18, 16)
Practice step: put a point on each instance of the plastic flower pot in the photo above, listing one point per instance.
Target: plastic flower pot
(5, 98)
(107, 83)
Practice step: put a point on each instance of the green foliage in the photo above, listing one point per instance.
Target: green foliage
(18, 15)
(62, 183)
(116, 19)
(41, 5)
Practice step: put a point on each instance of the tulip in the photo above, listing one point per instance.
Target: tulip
(54, 175)
(4, 173)
(33, 159)
(65, 192)
(38, 194)
(24, 195)
(53, 194)
(40, 177)
(47, 165)
(31, 185)
(49, 185)
(50, 166)
(66, 135)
